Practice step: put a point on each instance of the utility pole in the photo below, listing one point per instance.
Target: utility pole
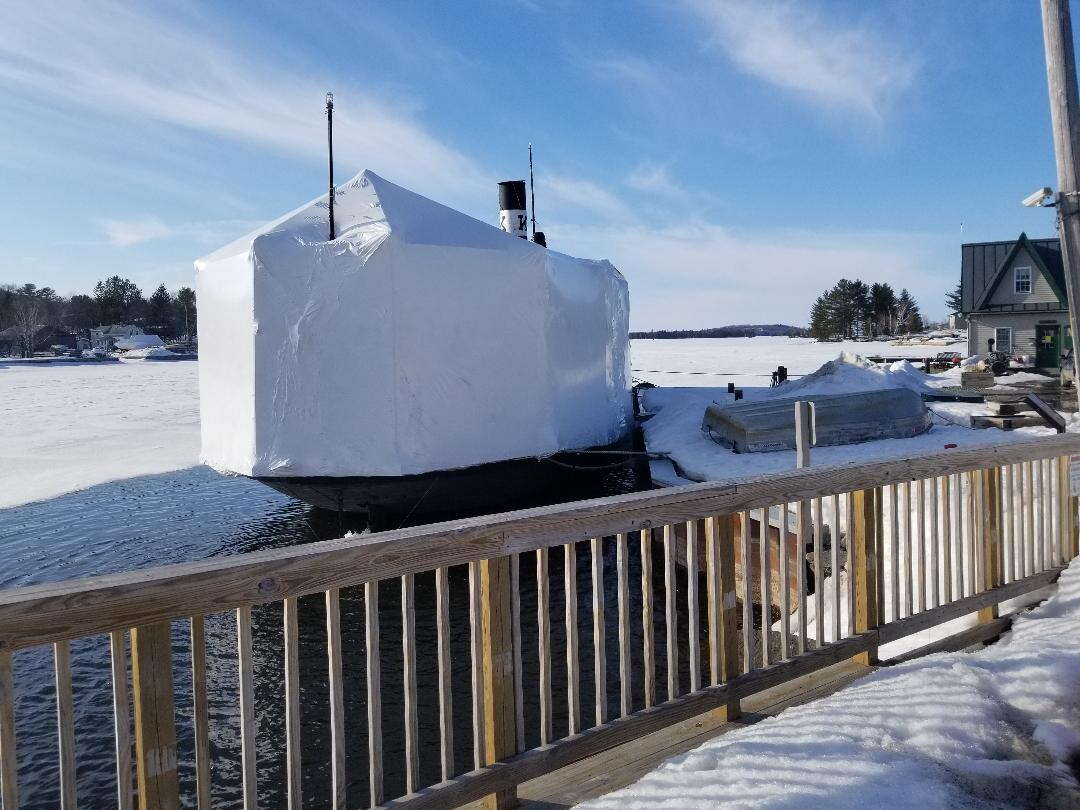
(1065, 122)
(330, 145)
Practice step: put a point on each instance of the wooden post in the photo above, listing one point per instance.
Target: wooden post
(500, 717)
(865, 522)
(991, 535)
(723, 618)
(155, 720)
(1065, 124)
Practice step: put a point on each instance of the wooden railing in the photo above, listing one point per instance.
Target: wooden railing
(894, 548)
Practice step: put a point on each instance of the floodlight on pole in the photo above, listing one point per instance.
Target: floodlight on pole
(1043, 198)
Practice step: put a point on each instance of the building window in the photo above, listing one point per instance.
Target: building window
(1003, 339)
(1022, 280)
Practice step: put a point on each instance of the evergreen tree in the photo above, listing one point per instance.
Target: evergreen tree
(185, 302)
(882, 306)
(954, 300)
(118, 300)
(160, 312)
(80, 313)
(908, 317)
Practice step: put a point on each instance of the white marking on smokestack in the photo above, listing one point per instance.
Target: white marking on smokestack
(513, 218)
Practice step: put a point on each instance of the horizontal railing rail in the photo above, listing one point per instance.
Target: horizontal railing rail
(712, 593)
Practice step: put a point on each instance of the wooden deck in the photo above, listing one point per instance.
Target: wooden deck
(621, 766)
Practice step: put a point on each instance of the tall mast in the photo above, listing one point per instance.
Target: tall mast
(532, 194)
(330, 147)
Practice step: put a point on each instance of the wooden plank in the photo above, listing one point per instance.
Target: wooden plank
(543, 623)
(802, 533)
(446, 700)
(1006, 525)
(670, 613)
(713, 596)
(748, 594)
(247, 709)
(50, 612)
(908, 575)
(819, 575)
(919, 563)
(373, 676)
(9, 786)
(539, 761)
(293, 770)
(155, 723)
(1037, 519)
(980, 633)
(766, 585)
(338, 778)
(946, 538)
(729, 638)
(476, 663)
(65, 724)
(519, 672)
(648, 645)
(622, 563)
(500, 714)
(935, 546)
(867, 506)
(835, 542)
(573, 668)
(122, 722)
(785, 582)
(849, 509)
(1029, 520)
(693, 624)
(894, 551)
(599, 631)
(408, 672)
(1048, 511)
(991, 540)
(200, 712)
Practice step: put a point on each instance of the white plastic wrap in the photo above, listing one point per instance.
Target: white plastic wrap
(420, 339)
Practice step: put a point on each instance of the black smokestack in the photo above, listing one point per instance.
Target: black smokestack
(513, 217)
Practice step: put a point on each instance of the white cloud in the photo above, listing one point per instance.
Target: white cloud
(582, 194)
(797, 48)
(654, 178)
(116, 60)
(702, 275)
(124, 233)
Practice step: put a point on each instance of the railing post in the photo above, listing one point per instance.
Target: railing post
(496, 628)
(1071, 528)
(155, 720)
(865, 522)
(723, 619)
(991, 535)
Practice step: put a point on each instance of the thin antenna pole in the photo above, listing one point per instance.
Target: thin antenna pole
(532, 194)
(330, 145)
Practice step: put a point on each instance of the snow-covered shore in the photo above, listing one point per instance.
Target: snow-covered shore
(995, 728)
(65, 427)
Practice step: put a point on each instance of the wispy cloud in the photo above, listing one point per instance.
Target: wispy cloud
(124, 233)
(654, 178)
(164, 67)
(582, 194)
(798, 48)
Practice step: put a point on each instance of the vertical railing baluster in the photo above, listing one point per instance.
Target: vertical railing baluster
(338, 779)
(693, 622)
(785, 584)
(648, 643)
(155, 714)
(946, 538)
(819, 575)
(748, 592)
(543, 649)
(622, 563)
(1037, 504)
(573, 668)
(935, 546)
(1029, 519)
(373, 676)
(477, 664)
(834, 542)
(1007, 540)
(599, 631)
(909, 534)
(446, 700)
(920, 545)
(9, 787)
(200, 714)
(122, 720)
(293, 772)
(713, 596)
(894, 551)
(802, 533)
(766, 584)
(515, 640)
(1048, 513)
(849, 509)
(670, 613)
(246, 674)
(65, 723)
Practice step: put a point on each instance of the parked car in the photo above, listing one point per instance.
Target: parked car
(946, 359)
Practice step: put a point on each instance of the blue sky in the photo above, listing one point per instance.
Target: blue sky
(732, 158)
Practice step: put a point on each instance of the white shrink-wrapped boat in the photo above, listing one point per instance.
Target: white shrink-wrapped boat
(421, 354)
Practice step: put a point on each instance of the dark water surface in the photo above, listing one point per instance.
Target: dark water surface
(196, 514)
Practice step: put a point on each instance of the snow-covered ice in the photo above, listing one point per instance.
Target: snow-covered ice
(67, 426)
(997, 728)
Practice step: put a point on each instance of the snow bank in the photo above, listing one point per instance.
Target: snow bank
(420, 339)
(996, 728)
(849, 373)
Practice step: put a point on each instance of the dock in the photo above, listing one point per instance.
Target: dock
(589, 654)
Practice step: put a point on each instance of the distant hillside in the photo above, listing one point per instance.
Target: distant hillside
(739, 330)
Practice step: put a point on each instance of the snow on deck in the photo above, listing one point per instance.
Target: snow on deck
(995, 728)
(66, 427)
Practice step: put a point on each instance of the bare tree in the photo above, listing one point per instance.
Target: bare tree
(29, 312)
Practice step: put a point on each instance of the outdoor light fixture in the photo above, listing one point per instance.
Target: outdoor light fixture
(1039, 199)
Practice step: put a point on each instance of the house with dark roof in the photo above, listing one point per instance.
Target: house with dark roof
(1014, 299)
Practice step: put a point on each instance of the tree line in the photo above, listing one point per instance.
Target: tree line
(853, 309)
(114, 300)
(738, 330)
